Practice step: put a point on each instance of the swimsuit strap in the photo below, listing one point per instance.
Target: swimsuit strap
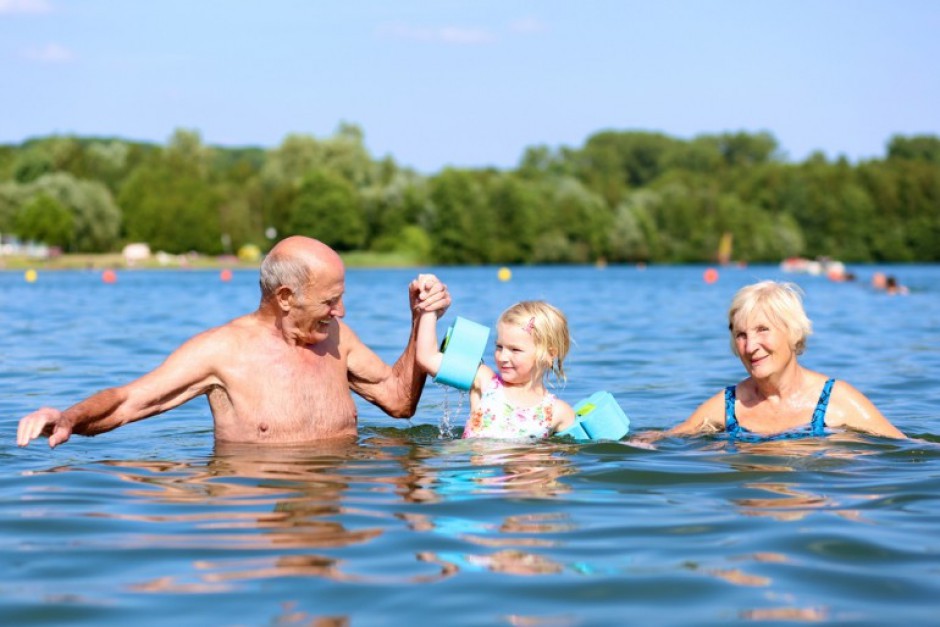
(731, 421)
(819, 414)
(817, 425)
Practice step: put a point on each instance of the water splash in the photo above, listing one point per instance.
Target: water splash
(446, 425)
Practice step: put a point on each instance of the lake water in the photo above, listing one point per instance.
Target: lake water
(155, 524)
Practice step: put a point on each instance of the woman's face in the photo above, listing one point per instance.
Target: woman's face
(762, 344)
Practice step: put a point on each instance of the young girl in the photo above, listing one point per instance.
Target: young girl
(532, 340)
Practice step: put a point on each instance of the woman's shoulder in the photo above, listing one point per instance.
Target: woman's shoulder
(849, 407)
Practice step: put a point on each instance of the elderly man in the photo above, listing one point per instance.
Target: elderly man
(281, 374)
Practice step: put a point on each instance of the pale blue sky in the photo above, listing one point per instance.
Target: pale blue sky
(473, 83)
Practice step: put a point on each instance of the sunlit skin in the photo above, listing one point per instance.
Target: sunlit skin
(281, 374)
(779, 395)
(515, 359)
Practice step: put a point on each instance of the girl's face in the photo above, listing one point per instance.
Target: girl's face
(764, 346)
(515, 354)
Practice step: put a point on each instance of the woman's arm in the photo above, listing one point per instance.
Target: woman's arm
(850, 408)
(708, 418)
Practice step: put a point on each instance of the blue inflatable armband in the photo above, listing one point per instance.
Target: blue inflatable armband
(598, 417)
(463, 349)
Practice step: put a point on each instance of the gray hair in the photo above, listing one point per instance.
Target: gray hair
(291, 271)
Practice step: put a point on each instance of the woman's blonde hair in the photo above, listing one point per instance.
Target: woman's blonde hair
(781, 302)
(549, 330)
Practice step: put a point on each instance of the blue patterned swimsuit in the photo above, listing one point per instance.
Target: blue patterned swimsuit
(816, 427)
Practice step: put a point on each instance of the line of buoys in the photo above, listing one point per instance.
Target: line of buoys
(31, 276)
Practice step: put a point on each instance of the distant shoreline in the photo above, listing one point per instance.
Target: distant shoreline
(116, 261)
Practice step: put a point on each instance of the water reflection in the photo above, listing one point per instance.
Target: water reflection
(265, 499)
(794, 499)
(479, 467)
(311, 500)
(507, 561)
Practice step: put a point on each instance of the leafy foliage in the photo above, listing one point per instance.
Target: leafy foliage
(624, 196)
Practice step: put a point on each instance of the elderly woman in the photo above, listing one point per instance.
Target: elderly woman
(780, 398)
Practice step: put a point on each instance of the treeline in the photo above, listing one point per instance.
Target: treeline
(621, 197)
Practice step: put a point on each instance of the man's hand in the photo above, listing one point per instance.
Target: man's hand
(45, 421)
(429, 294)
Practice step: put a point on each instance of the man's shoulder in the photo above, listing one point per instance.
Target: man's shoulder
(236, 331)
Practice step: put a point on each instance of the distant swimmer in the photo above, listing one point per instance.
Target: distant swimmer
(893, 287)
(282, 374)
(780, 398)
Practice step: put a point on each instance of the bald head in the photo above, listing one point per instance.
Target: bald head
(296, 262)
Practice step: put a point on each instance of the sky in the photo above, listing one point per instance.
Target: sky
(473, 83)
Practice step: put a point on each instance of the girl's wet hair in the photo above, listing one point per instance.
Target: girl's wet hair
(781, 302)
(549, 330)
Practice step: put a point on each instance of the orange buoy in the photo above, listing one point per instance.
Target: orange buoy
(710, 276)
(226, 275)
(109, 276)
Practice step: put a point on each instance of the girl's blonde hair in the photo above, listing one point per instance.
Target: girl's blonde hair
(549, 330)
(781, 302)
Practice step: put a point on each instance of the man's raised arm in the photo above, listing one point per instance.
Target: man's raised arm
(397, 389)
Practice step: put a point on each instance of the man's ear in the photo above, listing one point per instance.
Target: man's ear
(284, 297)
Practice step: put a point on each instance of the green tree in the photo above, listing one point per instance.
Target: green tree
(918, 148)
(402, 204)
(96, 219)
(610, 163)
(170, 202)
(515, 205)
(43, 219)
(462, 226)
(326, 207)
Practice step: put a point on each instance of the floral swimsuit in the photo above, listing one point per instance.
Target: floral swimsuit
(496, 417)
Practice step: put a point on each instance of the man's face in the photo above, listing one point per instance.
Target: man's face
(320, 305)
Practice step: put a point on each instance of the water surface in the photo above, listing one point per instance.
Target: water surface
(154, 523)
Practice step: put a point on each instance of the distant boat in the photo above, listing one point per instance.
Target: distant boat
(815, 267)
